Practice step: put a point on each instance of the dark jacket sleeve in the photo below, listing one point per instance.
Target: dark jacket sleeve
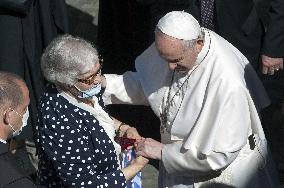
(11, 176)
(273, 44)
(25, 182)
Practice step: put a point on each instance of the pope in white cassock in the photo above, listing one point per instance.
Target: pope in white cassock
(207, 97)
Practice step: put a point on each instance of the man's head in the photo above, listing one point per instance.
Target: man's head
(179, 39)
(14, 100)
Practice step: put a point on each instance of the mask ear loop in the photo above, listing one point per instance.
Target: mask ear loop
(7, 123)
(12, 126)
(80, 91)
(16, 112)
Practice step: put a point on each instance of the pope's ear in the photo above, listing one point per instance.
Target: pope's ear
(200, 41)
(7, 116)
(199, 44)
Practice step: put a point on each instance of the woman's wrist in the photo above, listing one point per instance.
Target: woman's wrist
(136, 165)
(122, 128)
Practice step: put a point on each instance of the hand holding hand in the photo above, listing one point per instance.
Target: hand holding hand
(128, 134)
(132, 132)
(270, 65)
(149, 148)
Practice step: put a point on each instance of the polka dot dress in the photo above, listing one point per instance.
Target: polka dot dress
(74, 150)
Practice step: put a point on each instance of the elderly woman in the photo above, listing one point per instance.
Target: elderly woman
(76, 134)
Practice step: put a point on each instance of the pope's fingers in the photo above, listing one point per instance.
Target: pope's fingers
(139, 141)
(140, 146)
(149, 140)
(140, 153)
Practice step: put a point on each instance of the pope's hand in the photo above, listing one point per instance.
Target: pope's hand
(149, 148)
(271, 65)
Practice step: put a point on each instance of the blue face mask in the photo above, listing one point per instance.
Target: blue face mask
(89, 93)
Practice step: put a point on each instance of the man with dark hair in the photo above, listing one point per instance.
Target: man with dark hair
(14, 113)
(27, 27)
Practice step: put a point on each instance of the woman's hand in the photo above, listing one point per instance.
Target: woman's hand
(131, 132)
(140, 161)
(135, 166)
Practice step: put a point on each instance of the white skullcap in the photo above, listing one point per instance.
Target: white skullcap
(180, 25)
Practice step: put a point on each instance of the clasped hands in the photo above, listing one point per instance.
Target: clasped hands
(145, 147)
(271, 65)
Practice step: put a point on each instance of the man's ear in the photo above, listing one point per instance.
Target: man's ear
(7, 116)
(200, 41)
(199, 45)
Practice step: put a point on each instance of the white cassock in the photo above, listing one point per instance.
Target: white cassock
(213, 135)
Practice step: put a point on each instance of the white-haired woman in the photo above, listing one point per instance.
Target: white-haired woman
(76, 135)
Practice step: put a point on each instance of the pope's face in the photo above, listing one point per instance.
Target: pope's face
(178, 57)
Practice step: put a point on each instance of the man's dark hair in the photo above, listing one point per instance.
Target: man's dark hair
(10, 91)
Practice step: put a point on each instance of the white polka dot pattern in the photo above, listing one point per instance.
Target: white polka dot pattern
(74, 150)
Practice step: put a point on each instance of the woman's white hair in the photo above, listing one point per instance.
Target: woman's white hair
(67, 57)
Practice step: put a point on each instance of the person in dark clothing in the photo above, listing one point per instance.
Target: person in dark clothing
(14, 98)
(24, 33)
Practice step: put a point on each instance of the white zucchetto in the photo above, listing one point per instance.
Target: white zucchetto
(180, 25)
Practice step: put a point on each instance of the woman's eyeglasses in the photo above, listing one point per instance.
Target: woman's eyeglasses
(90, 80)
